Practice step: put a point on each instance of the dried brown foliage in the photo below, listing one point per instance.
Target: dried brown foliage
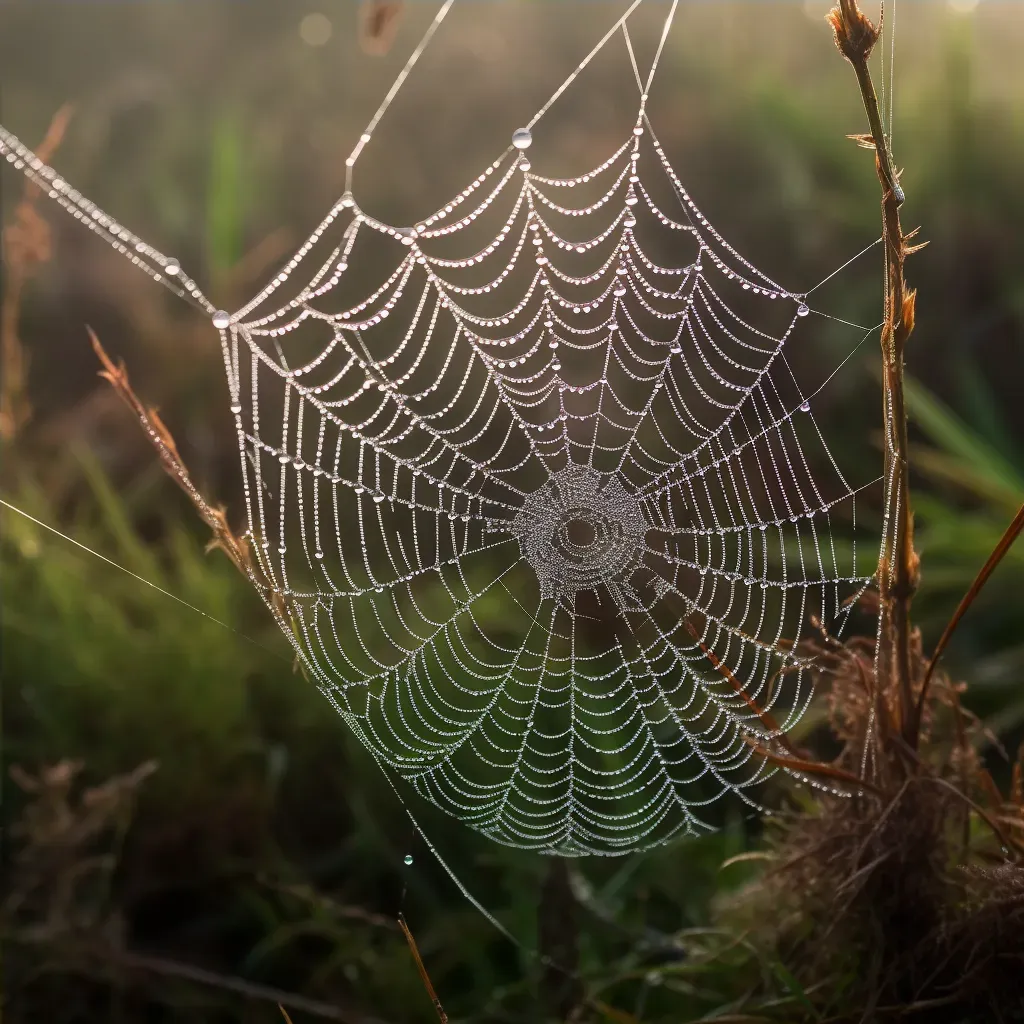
(854, 34)
(58, 915)
(908, 900)
(61, 860)
(26, 245)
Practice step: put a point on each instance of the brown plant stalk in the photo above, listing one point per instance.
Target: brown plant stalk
(898, 562)
(235, 546)
(422, 968)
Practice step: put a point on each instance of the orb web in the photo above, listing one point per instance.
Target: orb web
(534, 491)
(538, 497)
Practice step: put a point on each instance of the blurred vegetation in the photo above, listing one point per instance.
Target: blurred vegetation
(977, 477)
(193, 835)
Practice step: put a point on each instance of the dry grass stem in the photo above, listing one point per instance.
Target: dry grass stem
(422, 968)
(1007, 541)
(236, 547)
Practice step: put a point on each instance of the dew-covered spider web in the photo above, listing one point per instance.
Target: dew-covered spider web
(533, 489)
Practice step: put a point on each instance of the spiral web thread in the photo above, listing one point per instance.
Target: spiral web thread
(542, 506)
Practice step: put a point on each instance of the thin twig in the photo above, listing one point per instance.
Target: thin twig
(422, 968)
(235, 546)
(855, 37)
(225, 982)
(242, 987)
(766, 717)
(1007, 540)
(161, 439)
(809, 767)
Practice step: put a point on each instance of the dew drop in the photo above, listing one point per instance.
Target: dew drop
(803, 309)
(408, 859)
(521, 138)
(221, 319)
(805, 406)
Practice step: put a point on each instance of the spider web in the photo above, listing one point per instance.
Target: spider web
(540, 504)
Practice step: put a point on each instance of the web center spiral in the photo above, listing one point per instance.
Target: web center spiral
(579, 532)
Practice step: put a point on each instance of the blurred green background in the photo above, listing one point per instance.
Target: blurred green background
(265, 854)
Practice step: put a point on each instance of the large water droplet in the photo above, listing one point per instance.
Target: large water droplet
(805, 406)
(408, 859)
(221, 319)
(172, 268)
(521, 138)
(803, 309)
